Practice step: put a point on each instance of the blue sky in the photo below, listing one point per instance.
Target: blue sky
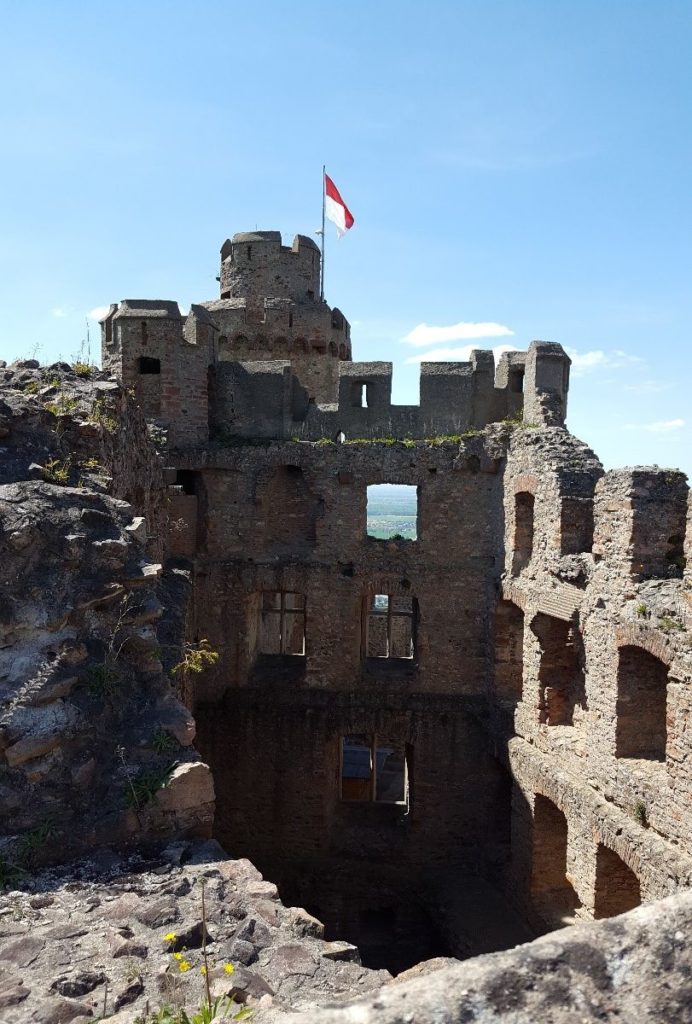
(523, 164)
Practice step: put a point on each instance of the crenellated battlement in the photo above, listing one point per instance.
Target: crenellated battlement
(256, 264)
(272, 359)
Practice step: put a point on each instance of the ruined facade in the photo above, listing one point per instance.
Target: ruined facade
(498, 706)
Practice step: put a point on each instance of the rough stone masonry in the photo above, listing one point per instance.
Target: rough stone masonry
(440, 746)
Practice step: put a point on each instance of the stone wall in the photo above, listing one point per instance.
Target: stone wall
(602, 718)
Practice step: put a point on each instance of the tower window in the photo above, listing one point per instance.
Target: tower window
(249, 252)
(149, 365)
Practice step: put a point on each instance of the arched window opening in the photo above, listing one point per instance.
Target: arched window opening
(552, 894)
(617, 887)
(509, 652)
(576, 525)
(523, 531)
(561, 674)
(640, 729)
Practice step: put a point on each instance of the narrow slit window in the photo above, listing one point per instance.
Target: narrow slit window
(392, 512)
(282, 626)
(375, 770)
(359, 394)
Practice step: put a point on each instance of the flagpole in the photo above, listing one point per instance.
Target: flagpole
(324, 171)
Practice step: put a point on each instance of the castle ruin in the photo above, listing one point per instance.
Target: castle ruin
(495, 714)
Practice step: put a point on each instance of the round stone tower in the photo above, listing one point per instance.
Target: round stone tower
(270, 308)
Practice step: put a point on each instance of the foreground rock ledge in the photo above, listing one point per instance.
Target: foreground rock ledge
(634, 968)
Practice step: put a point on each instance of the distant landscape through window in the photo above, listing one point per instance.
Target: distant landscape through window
(392, 511)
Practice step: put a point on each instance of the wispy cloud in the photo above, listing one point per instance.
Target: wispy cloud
(59, 312)
(98, 312)
(426, 334)
(597, 359)
(447, 355)
(648, 387)
(658, 427)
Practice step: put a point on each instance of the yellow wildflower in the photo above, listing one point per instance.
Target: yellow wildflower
(202, 970)
(177, 956)
(229, 968)
(171, 937)
(183, 966)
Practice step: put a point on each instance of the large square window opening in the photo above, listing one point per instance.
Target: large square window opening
(282, 624)
(373, 770)
(390, 627)
(392, 512)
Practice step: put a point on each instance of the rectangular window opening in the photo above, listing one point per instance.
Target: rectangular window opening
(149, 365)
(282, 623)
(390, 627)
(392, 512)
(359, 394)
(374, 770)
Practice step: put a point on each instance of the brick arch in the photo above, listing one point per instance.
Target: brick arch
(525, 482)
(617, 842)
(617, 886)
(633, 635)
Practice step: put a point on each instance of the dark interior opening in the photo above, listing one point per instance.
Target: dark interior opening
(147, 364)
(187, 479)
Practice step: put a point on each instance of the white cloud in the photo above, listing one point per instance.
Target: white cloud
(585, 362)
(98, 312)
(658, 427)
(58, 312)
(426, 334)
(446, 355)
(648, 387)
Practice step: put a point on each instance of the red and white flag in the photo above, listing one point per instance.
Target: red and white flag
(335, 208)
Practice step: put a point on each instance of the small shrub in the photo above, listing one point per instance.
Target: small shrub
(82, 369)
(57, 472)
(639, 812)
(642, 611)
(145, 787)
(195, 658)
(162, 741)
(31, 842)
(31, 388)
(10, 874)
(99, 414)
(62, 406)
(669, 625)
(103, 681)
